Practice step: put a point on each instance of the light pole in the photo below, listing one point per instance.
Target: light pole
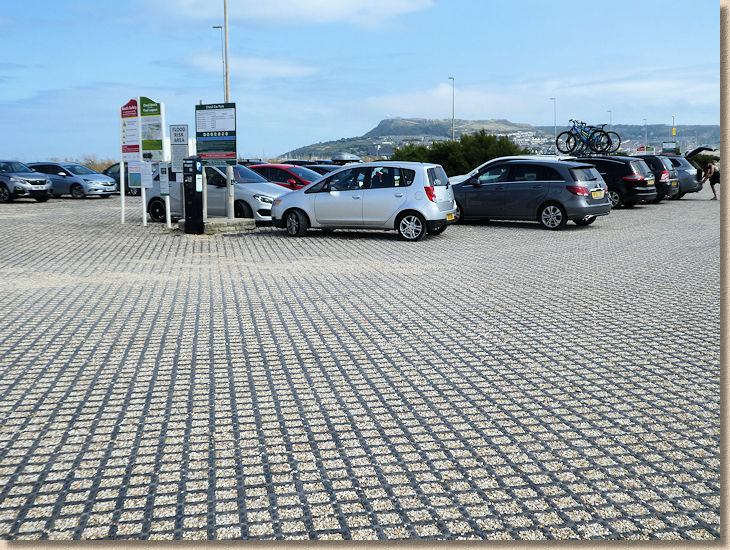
(229, 168)
(555, 124)
(452, 106)
(223, 58)
(674, 128)
(646, 139)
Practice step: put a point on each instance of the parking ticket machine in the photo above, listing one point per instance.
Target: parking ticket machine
(193, 189)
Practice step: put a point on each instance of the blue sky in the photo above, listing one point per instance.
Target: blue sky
(304, 71)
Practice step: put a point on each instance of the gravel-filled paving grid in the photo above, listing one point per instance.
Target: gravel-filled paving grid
(499, 381)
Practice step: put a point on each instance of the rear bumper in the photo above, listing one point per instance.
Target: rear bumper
(638, 194)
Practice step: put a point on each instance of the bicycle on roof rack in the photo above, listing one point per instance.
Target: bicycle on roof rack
(582, 138)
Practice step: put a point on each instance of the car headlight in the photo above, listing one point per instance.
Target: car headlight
(17, 180)
(264, 198)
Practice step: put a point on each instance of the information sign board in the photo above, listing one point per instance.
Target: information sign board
(151, 129)
(215, 133)
(178, 145)
(130, 131)
(135, 174)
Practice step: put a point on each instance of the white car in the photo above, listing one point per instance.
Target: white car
(458, 179)
(253, 195)
(412, 198)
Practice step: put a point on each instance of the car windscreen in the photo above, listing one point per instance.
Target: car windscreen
(9, 167)
(78, 169)
(437, 177)
(305, 173)
(245, 175)
(585, 174)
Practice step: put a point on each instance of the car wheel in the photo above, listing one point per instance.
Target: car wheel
(615, 197)
(587, 221)
(296, 223)
(5, 195)
(411, 227)
(41, 199)
(552, 216)
(242, 210)
(459, 214)
(156, 209)
(77, 192)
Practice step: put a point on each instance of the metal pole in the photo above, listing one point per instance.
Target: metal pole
(555, 124)
(646, 139)
(223, 58)
(452, 107)
(610, 119)
(229, 169)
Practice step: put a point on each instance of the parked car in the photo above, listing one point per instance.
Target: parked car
(323, 168)
(75, 179)
(252, 195)
(689, 172)
(545, 190)
(666, 179)
(18, 180)
(287, 175)
(113, 172)
(410, 197)
(629, 179)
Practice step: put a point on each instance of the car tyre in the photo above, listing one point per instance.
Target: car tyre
(242, 210)
(5, 195)
(77, 192)
(585, 222)
(459, 214)
(552, 216)
(615, 197)
(411, 226)
(679, 196)
(296, 223)
(156, 209)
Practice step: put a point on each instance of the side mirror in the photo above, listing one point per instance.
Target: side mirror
(475, 182)
(63, 174)
(292, 182)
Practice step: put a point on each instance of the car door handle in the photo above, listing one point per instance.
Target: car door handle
(399, 195)
(537, 186)
(499, 187)
(356, 196)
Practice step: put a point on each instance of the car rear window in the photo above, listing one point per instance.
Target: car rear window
(437, 177)
(585, 174)
(667, 163)
(640, 167)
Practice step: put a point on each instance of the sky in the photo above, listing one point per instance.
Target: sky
(305, 71)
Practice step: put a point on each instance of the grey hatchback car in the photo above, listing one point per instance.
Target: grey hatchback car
(411, 197)
(548, 191)
(76, 179)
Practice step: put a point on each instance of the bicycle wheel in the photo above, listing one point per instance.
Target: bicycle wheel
(615, 142)
(599, 142)
(565, 142)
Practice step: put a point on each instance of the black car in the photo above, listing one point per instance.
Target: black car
(548, 191)
(666, 179)
(629, 179)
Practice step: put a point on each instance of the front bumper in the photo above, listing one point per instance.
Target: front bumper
(101, 189)
(26, 190)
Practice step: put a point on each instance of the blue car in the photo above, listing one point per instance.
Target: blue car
(77, 180)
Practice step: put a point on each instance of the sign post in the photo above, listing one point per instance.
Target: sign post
(215, 134)
(130, 141)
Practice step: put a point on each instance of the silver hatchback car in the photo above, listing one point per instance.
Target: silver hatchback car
(411, 197)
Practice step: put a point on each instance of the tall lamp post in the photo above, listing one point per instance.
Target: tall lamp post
(646, 139)
(223, 58)
(555, 124)
(452, 106)
(227, 92)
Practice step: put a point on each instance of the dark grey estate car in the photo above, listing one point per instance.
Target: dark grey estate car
(18, 180)
(545, 190)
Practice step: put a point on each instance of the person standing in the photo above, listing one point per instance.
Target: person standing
(713, 175)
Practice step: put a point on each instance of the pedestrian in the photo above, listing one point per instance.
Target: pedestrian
(713, 175)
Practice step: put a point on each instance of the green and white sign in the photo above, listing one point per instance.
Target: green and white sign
(151, 129)
(215, 133)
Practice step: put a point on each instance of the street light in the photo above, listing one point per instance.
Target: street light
(646, 139)
(555, 123)
(223, 58)
(453, 84)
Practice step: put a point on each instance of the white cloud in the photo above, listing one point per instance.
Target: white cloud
(364, 13)
(252, 68)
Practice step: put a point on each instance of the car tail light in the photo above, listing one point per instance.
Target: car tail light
(577, 190)
(664, 176)
(430, 193)
(634, 177)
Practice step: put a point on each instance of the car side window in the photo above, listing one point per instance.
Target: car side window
(551, 174)
(214, 177)
(494, 174)
(280, 175)
(348, 180)
(44, 169)
(525, 172)
(383, 177)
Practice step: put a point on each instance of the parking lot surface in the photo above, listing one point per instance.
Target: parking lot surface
(499, 381)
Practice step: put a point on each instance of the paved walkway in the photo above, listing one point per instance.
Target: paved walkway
(497, 382)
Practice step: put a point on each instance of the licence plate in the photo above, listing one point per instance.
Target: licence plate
(597, 194)
(38, 187)
(449, 217)
(674, 184)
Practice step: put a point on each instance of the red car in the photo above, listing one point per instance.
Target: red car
(286, 175)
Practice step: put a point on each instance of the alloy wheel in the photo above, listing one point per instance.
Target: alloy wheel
(551, 216)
